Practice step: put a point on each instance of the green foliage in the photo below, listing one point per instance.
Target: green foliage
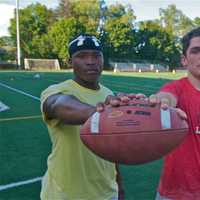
(175, 21)
(87, 13)
(34, 22)
(5, 41)
(7, 51)
(118, 32)
(45, 33)
(157, 45)
(6, 54)
(64, 8)
(58, 37)
(197, 21)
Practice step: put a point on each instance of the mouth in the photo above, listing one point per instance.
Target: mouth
(92, 71)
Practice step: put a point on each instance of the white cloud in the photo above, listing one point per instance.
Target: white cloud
(6, 13)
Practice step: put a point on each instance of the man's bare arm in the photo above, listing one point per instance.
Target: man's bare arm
(68, 109)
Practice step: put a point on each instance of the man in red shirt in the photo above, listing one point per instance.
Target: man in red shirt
(180, 179)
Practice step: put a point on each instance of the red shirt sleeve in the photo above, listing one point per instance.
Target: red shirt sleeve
(172, 87)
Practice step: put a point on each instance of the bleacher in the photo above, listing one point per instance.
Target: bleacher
(137, 67)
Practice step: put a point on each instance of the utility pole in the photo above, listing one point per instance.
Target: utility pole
(18, 36)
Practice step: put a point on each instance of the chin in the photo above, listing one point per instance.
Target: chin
(93, 78)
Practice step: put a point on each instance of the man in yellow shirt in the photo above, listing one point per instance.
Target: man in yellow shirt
(74, 172)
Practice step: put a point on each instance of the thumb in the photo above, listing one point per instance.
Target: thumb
(100, 107)
(153, 99)
(165, 103)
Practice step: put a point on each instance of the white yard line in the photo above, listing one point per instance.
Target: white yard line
(17, 184)
(3, 107)
(19, 91)
(34, 180)
(26, 94)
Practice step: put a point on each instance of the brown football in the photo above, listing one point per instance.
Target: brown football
(133, 134)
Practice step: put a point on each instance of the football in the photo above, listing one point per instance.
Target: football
(133, 134)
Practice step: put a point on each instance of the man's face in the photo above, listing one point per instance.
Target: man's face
(87, 65)
(192, 58)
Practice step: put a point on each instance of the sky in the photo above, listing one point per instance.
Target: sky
(144, 9)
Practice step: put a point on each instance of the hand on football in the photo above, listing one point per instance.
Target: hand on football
(165, 104)
(119, 99)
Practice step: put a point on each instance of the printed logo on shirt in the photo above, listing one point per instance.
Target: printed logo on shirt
(197, 131)
(197, 128)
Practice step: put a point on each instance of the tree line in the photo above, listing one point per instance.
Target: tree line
(45, 33)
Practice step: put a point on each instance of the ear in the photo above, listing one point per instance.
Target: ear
(184, 61)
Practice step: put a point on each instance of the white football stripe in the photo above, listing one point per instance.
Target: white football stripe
(165, 118)
(94, 128)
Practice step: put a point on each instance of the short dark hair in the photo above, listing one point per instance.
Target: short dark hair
(187, 38)
(84, 42)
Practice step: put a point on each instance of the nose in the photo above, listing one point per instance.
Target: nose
(90, 60)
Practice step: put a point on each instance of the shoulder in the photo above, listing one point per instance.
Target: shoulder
(178, 84)
(62, 87)
(174, 87)
(106, 90)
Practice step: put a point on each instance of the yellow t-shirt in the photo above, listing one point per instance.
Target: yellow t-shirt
(74, 172)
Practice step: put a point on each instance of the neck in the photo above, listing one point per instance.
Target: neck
(195, 81)
(89, 85)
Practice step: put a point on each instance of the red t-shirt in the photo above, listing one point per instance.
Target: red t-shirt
(180, 179)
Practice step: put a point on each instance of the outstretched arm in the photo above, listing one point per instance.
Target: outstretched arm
(68, 109)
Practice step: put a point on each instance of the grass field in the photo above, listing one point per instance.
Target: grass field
(25, 145)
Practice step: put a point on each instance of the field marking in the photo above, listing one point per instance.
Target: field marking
(21, 118)
(37, 179)
(19, 91)
(17, 184)
(3, 107)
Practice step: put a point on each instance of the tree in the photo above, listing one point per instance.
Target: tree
(118, 31)
(175, 21)
(196, 21)
(55, 43)
(176, 24)
(86, 12)
(7, 50)
(156, 45)
(6, 41)
(64, 9)
(35, 21)
(45, 33)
